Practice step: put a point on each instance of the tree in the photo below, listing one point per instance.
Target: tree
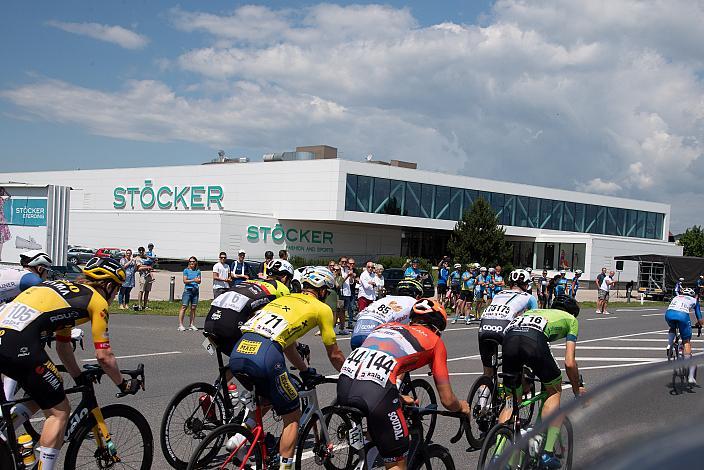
(477, 237)
(693, 241)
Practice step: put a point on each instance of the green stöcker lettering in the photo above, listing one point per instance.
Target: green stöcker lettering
(150, 196)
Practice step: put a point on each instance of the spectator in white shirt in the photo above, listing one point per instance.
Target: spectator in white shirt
(604, 288)
(221, 275)
(367, 286)
(379, 271)
(348, 280)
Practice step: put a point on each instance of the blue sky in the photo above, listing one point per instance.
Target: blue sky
(601, 96)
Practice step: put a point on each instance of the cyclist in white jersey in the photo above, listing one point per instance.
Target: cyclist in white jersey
(504, 307)
(392, 308)
(677, 317)
(35, 269)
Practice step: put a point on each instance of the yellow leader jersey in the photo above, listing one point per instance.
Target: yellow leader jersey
(288, 318)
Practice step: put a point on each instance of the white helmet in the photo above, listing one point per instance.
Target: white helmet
(458, 265)
(578, 272)
(35, 258)
(681, 279)
(688, 291)
(529, 269)
(482, 269)
(518, 277)
(476, 265)
(279, 267)
(562, 272)
(492, 270)
(319, 276)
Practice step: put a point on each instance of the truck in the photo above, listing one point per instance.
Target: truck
(657, 274)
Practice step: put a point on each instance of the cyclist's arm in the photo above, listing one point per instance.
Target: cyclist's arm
(294, 358)
(441, 376)
(698, 312)
(571, 367)
(335, 355)
(67, 358)
(103, 351)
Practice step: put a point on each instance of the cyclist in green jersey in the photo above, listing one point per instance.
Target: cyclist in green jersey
(526, 343)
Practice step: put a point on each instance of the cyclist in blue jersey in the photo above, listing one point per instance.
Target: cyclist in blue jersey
(677, 317)
(455, 281)
(561, 284)
(574, 286)
(413, 271)
(679, 286)
(499, 283)
(443, 277)
(489, 290)
(480, 288)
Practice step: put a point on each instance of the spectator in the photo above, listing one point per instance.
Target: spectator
(191, 288)
(334, 296)
(679, 286)
(499, 282)
(150, 258)
(221, 275)
(348, 281)
(443, 275)
(367, 287)
(379, 273)
(413, 271)
(145, 279)
(574, 287)
(599, 280)
(552, 288)
(130, 266)
(283, 254)
(542, 286)
(561, 285)
(604, 290)
(268, 256)
(700, 286)
(239, 271)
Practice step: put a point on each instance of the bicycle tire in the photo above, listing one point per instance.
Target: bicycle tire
(475, 437)
(412, 388)
(487, 452)
(118, 437)
(175, 450)
(437, 457)
(568, 431)
(319, 449)
(219, 437)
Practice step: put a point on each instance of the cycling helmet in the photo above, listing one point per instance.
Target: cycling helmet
(519, 277)
(529, 269)
(482, 269)
(476, 265)
(279, 267)
(562, 272)
(458, 265)
(688, 291)
(429, 312)
(578, 272)
(492, 270)
(567, 304)
(319, 276)
(681, 279)
(100, 269)
(410, 288)
(35, 258)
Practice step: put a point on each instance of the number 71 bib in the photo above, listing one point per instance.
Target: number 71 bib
(267, 324)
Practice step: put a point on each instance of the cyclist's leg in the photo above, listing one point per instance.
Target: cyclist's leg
(686, 335)
(672, 322)
(513, 359)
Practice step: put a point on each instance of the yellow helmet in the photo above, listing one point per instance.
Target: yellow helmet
(100, 269)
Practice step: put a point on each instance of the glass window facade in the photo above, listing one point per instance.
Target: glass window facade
(429, 201)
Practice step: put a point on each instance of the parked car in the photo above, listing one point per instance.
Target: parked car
(116, 253)
(79, 255)
(70, 272)
(392, 276)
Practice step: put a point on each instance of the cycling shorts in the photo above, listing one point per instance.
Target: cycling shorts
(681, 321)
(442, 289)
(260, 362)
(491, 334)
(466, 295)
(24, 359)
(455, 289)
(529, 348)
(224, 324)
(382, 408)
(362, 329)
(478, 294)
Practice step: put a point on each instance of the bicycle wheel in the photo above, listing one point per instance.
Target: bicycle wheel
(527, 412)
(421, 391)
(187, 421)
(129, 432)
(314, 451)
(480, 422)
(436, 457)
(497, 440)
(213, 451)
(563, 445)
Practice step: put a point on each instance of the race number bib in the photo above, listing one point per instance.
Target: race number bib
(267, 324)
(16, 316)
(234, 301)
(532, 322)
(369, 364)
(680, 304)
(498, 312)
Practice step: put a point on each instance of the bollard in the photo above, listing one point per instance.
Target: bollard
(642, 298)
(172, 287)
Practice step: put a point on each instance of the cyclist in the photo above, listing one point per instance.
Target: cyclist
(455, 281)
(230, 310)
(55, 307)
(443, 275)
(392, 308)
(258, 357)
(480, 288)
(464, 304)
(505, 306)
(413, 271)
(561, 284)
(489, 290)
(678, 286)
(36, 267)
(529, 270)
(542, 285)
(527, 343)
(677, 317)
(369, 376)
(574, 287)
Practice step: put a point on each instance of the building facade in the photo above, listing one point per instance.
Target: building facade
(330, 207)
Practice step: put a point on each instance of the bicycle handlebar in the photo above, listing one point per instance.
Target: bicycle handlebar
(433, 410)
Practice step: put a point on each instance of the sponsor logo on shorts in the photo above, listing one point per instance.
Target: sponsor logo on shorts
(396, 423)
(50, 374)
(287, 387)
(216, 315)
(496, 328)
(63, 316)
(248, 347)
(24, 351)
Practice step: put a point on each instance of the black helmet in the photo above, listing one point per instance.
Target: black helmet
(567, 304)
(410, 288)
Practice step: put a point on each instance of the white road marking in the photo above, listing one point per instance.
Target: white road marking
(636, 309)
(652, 315)
(621, 348)
(463, 357)
(662, 340)
(612, 359)
(347, 338)
(138, 355)
(602, 318)
(623, 336)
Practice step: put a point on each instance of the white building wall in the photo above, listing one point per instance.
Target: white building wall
(604, 249)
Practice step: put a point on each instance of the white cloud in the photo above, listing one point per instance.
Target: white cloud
(598, 95)
(114, 34)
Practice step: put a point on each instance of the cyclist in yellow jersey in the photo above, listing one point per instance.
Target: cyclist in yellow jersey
(258, 357)
(55, 307)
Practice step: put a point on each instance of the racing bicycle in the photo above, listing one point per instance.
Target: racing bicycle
(113, 436)
(680, 374)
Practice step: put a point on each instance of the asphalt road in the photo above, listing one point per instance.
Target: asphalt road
(609, 349)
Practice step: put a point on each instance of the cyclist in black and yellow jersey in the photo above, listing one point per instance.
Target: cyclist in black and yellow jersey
(258, 357)
(55, 307)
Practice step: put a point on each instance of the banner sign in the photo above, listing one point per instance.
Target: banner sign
(25, 211)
